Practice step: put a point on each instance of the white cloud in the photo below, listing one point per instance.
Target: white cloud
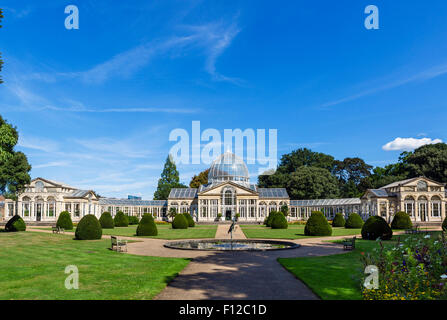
(408, 143)
(52, 164)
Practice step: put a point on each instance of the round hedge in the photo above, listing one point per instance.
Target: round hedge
(121, 220)
(317, 225)
(190, 220)
(354, 221)
(401, 221)
(179, 222)
(88, 228)
(133, 220)
(15, 224)
(106, 220)
(339, 220)
(271, 216)
(147, 226)
(444, 224)
(64, 221)
(376, 227)
(279, 222)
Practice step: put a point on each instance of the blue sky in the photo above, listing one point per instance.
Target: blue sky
(95, 106)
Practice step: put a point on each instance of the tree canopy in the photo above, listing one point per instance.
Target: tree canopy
(201, 178)
(169, 179)
(14, 166)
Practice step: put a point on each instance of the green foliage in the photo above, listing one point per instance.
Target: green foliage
(339, 220)
(317, 225)
(200, 179)
(88, 228)
(133, 220)
(180, 222)
(285, 210)
(106, 221)
(279, 221)
(190, 220)
(147, 226)
(64, 221)
(172, 213)
(169, 179)
(354, 221)
(430, 161)
(15, 224)
(269, 219)
(401, 220)
(376, 227)
(409, 270)
(352, 174)
(121, 220)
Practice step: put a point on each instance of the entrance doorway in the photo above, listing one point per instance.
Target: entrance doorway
(38, 211)
(228, 215)
(423, 211)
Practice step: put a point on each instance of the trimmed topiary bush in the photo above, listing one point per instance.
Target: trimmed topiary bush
(121, 220)
(133, 220)
(317, 225)
(444, 224)
(64, 221)
(15, 224)
(339, 220)
(88, 228)
(147, 226)
(272, 214)
(190, 220)
(106, 220)
(376, 227)
(180, 222)
(354, 221)
(401, 220)
(279, 221)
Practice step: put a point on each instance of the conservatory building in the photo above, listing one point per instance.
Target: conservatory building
(229, 194)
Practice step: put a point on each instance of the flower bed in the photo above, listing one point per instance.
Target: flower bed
(413, 269)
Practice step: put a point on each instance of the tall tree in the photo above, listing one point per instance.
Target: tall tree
(1, 61)
(429, 160)
(305, 157)
(169, 179)
(201, 178)
(353, 174)
(312, 183)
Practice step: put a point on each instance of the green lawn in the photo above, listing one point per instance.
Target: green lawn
(165, 232)
(292, 232)
(335, 277)
(32, 266)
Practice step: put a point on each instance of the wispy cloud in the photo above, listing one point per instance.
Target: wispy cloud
(52, 164)
(429, 74)
(408, 143)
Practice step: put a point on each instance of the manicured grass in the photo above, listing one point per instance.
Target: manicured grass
(164, 232)
(292, 232)
(32, 266)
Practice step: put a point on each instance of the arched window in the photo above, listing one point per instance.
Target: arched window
(39, 186)
(229, 198)
(422, 186)
(51, 206)
(26, 206)
(409, 205)
(435, 206)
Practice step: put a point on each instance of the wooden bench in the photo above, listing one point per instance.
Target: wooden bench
(349, 244)
(57, 229)
(118, 244)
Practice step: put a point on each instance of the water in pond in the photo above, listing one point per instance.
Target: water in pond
(231, 245)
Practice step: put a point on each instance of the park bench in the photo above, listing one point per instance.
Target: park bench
(413, 230)
(118, 244)
(57, 229)
(349, 244)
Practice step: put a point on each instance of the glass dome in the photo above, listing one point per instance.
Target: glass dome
(228, 167)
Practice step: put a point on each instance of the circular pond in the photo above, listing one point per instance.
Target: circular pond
(231, 245)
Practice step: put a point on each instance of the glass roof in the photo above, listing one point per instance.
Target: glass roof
(273, 193)
(228, 167)
(132, 202)
(183, 193)
(325, 202)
